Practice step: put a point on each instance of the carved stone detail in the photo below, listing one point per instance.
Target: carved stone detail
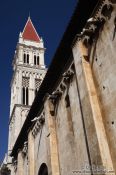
(25, 149)
(14, 161)
(97, 22)
(63, 85)
(38, 124)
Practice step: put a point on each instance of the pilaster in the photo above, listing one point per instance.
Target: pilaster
(52, 139)
(31, 158)
(95, 105)
(20, 165)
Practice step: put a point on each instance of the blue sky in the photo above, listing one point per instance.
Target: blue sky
(50, 18)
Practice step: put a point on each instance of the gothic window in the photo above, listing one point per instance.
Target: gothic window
(25, 91)
(37, 85)
(26, 58)
(36, 60)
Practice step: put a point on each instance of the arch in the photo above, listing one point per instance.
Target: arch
(34, 59)
(37, 60)
(28, 58)
(24, 58)
(43, 169)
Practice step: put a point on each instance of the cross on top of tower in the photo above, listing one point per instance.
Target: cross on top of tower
(29, 32)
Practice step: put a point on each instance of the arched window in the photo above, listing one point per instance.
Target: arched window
(34, 59)
(24, 58)
(43, 169)
(28, 58)
(25, 90)
(37, 60)
(27, 95)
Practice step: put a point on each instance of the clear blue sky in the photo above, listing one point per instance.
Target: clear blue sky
(50, 18)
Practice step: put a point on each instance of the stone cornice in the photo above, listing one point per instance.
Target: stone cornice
(101, 14)
(39, 121)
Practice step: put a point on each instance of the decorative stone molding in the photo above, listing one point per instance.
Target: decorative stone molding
(25, 149)
(95, 23)
(14, 161)
(63, 85)
(39, 123)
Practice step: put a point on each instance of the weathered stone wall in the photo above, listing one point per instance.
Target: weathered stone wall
(103, 62)
(41, 149)
(79, 128)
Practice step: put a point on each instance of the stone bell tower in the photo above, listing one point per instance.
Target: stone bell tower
(29, 71)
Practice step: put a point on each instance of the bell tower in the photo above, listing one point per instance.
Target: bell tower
(29, 71)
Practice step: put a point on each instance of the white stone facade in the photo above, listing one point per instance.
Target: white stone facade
(28, 74)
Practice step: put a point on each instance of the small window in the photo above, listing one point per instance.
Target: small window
(35, 59)
(25, 90)
(27, 96)
(23, 96)
(28, 58)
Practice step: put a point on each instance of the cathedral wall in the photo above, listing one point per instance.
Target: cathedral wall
(42, 154)
(104, 69)
(76, 135)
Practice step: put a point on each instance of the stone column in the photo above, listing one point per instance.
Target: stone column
(31, 160)
(20, 164)
(52, 139)
(95, 106)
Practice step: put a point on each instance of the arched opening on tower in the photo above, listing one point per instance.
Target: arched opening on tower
(37, 60)
(43, 169)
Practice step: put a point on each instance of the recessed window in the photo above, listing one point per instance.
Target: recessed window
(26, 58)
(25, 91)
(36, 60)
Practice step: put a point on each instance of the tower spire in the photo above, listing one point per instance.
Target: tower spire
(29, 32)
